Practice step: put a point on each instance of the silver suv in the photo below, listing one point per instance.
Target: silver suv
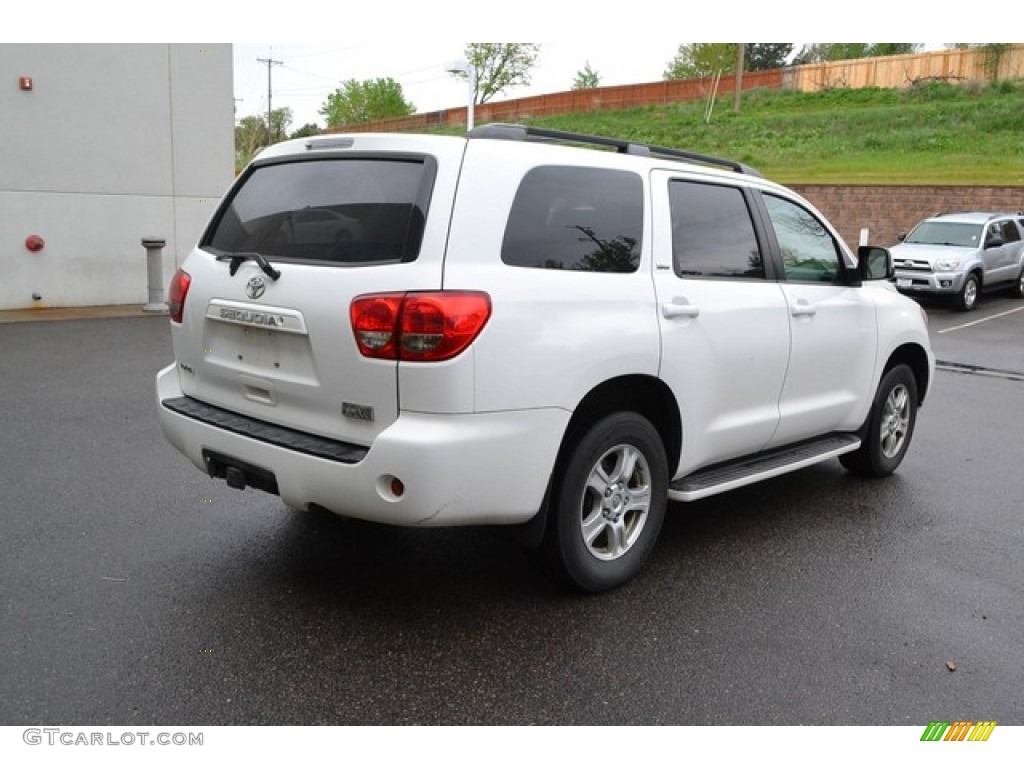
(960, 255)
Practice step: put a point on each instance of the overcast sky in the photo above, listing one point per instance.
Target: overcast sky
(412, 41)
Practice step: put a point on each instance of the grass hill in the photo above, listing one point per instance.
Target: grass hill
(934, 133)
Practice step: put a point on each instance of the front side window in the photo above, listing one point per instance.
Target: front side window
(571, 218)
(1004, 230)
(712, 232)
(346, 211)
(809, 252)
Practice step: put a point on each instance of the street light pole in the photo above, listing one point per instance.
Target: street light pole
(471, 100)
(467, 69)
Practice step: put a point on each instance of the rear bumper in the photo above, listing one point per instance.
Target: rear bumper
(456, 469)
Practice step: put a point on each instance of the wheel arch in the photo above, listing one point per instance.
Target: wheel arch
(646, 395)
(915, 358)
(643, 394)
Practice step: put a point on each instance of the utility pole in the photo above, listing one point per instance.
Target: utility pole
(270, 64)
(738, 80)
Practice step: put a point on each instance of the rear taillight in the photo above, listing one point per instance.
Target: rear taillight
(176, 296)
(418, 326)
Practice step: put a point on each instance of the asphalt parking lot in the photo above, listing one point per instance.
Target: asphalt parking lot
(136, 591)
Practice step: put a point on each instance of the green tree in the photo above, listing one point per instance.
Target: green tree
(360, 102)
(762, 56)
(586, 78)
(251, 134)
(701, 60)
(893, 49)
(309, 129)
(499, 66)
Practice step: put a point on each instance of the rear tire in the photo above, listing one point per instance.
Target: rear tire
(608, 503)
(890, 426)
(1017, 290)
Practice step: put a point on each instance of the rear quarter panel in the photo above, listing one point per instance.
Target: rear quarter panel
(554, 334)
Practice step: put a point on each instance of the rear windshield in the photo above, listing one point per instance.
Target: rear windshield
(343, 211)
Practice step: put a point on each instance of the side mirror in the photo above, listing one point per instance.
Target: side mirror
(994, 241)
(874, 263)
(901, 236)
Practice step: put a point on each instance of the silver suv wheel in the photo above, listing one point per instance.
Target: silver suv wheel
(895, 421)
(968, 296)
(616, 502)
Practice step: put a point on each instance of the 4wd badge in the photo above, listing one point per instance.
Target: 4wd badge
(256, 287)
(356, 411)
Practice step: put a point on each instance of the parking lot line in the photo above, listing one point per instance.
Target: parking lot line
(980, 320)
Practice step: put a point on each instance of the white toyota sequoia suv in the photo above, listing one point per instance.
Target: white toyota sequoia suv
(529, 327)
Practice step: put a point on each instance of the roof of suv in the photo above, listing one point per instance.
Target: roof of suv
(969, 217)
(507, 132)
(515, 132)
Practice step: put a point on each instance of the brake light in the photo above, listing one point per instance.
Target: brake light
(425, 327)
(176, 296)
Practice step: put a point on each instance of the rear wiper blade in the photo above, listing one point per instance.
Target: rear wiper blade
(240, 256)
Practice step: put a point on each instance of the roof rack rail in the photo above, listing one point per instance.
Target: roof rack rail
(515, 132)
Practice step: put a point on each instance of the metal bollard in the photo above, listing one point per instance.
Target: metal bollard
(155, 274)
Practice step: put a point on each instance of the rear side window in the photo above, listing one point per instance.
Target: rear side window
(344, 211)
(712, 232)
(585, 219)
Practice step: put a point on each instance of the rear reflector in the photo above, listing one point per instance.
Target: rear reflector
(427, 327)
(177, 294)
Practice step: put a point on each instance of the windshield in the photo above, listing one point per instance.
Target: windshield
(946, 233)
(346, 211)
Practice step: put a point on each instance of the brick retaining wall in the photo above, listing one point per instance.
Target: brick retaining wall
(888, 210)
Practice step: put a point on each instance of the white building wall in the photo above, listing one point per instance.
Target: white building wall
(113, 144)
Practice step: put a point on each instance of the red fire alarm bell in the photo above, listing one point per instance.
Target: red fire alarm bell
(25, 83)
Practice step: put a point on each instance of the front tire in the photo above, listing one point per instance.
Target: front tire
(609, 502)
(967, 299)
(890, 426)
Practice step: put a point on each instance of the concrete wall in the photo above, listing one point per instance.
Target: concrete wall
(113, 143)
(889, 210)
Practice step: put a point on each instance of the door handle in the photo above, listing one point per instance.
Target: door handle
(804, 308)
(679, 308)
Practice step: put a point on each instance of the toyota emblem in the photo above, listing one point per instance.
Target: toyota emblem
(256, 287)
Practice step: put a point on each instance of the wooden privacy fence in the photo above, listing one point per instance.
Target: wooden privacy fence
(584, 100)
(976, 64)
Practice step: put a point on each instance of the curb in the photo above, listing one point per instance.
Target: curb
(44, 314)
